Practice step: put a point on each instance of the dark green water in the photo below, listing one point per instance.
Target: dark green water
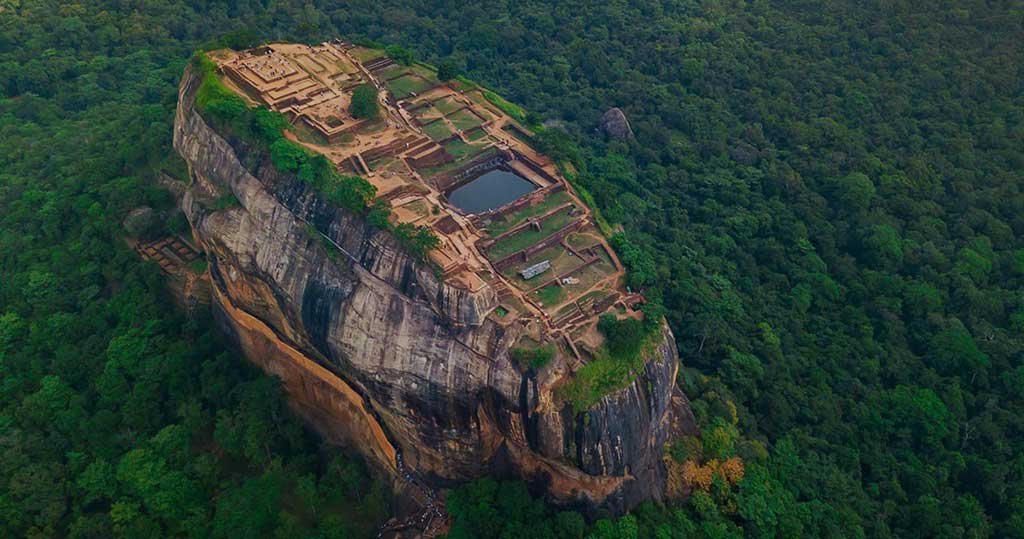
(492, 190)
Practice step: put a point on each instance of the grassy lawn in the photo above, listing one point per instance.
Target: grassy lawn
(425, 72)
(428, 113)
(447, 105)
(391, 72)
(417, 207)
(515, 219)
(561, 261)
(465, 120)
(307, 134)
(363, 54)
(582, 240)
(461, 84)
(406, 85)
(513, 110)
(460, 150)
(371, 127)
(590, 276)
(520, 135)
(528, 237)
(551, 254)
(437, 130)
(308, 64)
(380, 162)
(345, 66)
(567, 310)
(550, 295)
(475, 134)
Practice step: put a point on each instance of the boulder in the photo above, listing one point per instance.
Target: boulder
(615, 125)
(378, 352)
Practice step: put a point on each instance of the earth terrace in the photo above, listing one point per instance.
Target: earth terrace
(554, 272)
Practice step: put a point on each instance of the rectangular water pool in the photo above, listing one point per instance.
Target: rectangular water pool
(492, 190)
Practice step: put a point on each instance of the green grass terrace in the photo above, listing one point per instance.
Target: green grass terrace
(505, 223)
(407, 85)
(530, 235)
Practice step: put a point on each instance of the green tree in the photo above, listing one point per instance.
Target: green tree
(719, 439)
(400, 54)
(364, 102)
(447, 70)
(954, 351)
(250, 509)
(855, 191)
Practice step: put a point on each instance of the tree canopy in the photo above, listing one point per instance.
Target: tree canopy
(826, 200)
(364, 102)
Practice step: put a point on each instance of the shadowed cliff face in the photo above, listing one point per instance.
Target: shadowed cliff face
(379, 354)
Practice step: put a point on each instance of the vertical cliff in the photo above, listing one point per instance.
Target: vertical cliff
(379, 353)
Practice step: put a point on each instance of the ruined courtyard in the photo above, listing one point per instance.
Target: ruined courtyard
(445, 157)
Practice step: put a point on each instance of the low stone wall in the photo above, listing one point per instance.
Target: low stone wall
(242, 82)
(529, 222)
(435, 158)
(604, 304)
(392, 148)
(534, 166)
(450, 181)
(533, 199)
(336, 135)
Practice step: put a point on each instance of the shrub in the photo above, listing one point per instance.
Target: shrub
(533, 358)
(224, 202)
(417, 240)
(400, 54)
(350, 192)
(513, 110)
(215, 100)
(447, 70)
(619, 360)
(623, 338)
(287, 156)
(640, 262)
(268, 125)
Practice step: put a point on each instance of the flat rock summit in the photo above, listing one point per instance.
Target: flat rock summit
(407, 360)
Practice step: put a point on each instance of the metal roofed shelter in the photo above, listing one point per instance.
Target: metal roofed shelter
(535, 270)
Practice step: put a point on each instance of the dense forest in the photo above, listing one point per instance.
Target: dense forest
(825, 197)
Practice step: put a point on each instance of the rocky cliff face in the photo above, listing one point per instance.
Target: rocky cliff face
(379, 354)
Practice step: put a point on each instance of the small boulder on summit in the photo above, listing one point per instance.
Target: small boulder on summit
(615, 125)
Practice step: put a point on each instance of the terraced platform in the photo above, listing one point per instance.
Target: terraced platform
(434, 138)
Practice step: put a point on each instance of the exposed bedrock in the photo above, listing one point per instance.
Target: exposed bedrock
(376, 352)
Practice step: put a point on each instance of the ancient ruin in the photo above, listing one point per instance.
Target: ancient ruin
(436, 143)
(437, 367)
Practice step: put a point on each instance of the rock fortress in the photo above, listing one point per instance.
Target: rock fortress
(437, 369)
